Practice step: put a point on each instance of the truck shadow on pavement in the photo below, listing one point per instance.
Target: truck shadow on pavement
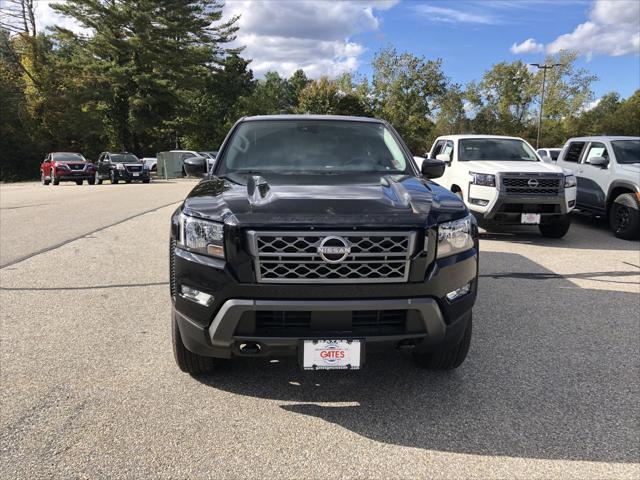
(552, 374)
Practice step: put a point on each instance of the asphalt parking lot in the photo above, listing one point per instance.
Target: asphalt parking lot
(90, 388)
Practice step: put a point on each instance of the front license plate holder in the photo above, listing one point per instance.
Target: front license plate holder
(332, 354)
(136, 174)
(530, 219)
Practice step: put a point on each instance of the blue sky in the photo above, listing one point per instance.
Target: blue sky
(326, 37)
(471, 46)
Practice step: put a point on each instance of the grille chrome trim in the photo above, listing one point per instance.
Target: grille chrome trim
(292, 257)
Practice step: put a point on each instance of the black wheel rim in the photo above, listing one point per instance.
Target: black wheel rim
(623, 217)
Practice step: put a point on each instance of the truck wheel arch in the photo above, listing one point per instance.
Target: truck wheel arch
(618, 188)
(457, 190)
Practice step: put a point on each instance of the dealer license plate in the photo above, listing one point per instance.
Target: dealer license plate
(331, 354)
(530, 218)
(136, 174)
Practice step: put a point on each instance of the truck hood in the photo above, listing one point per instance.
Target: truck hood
(493, 167)
(629, 169)
(327, 200)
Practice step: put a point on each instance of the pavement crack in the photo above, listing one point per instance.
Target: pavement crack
(88, 287)
(65, 242)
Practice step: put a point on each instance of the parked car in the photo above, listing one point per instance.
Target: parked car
(608, 173)
(66, 167)
(317, 236)
(549, 154)
(116, 166)
(151, 163)
(503, 182)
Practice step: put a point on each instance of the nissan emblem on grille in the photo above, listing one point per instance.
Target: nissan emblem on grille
(334, 249)
(331, 257)
(533, 183)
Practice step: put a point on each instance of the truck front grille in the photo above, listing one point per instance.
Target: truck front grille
(76, 166)
(133, 168)
(527, 184)
(307, 257)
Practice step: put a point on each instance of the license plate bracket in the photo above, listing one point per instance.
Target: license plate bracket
(530, 219)
(332, 354)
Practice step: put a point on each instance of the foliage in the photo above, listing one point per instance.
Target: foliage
(150, 75)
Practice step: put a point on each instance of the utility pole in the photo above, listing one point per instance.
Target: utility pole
(544, 69)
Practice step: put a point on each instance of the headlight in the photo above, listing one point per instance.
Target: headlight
(569, 181)
(62, 166)
(119, 166)
(202, 236)
(455, 237)
(484, 179)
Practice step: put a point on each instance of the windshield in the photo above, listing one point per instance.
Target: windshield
(500, 149)
(554, 154)
(312, 147)
(124, 158)
(627, 151)
(67, 157)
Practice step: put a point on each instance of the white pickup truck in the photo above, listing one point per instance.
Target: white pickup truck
(608, 173)
(503, 181)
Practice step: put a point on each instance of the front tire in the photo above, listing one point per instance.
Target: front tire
(624, 217)
(447, 358)
(54, 180)
(43, 179)
(186, 360)
(78, 182)
(557, 228)
(113, 177)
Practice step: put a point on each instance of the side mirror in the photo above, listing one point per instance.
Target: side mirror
(432, 168)
(599, 161)
(195, 166)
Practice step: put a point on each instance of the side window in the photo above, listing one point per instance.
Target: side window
(596, 149)
(574, 152)
(448, 149)
(438, 148)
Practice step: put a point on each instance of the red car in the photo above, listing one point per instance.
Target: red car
(67, 167)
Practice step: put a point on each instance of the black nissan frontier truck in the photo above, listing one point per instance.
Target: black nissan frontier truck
(318, 237)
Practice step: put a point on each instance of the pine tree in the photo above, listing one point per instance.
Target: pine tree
(146, 58)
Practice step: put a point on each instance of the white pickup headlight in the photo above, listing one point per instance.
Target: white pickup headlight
(455, 237)
(570, 181)
(202, 236)
(484, 179)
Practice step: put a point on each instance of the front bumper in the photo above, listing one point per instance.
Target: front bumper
(124, 175)
(218, 329)
(502, 208)
(73, 176)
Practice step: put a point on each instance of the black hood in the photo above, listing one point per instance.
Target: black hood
(324, 200)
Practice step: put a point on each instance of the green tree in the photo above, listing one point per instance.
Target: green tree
(214, 109)
(320, 97)
(405, 90)
(147, 58)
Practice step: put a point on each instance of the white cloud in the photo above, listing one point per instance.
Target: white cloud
(592, 105)
(47, 17)
(315, 36)
(613, 29)
(528, 46)
(451, 15)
